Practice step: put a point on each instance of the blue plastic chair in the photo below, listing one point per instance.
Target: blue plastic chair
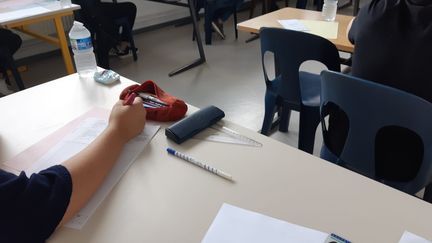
(370, 107)
(291, 89)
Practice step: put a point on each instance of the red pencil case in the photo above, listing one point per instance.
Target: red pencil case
(173, 111)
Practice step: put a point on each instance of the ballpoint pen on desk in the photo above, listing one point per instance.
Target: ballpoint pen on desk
(200, 164)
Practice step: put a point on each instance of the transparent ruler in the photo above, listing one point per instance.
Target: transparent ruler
(222, 134)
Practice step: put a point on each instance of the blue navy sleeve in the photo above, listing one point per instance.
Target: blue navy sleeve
(31, 208)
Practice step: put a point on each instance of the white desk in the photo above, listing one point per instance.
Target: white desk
(164, 199)
(19, 14)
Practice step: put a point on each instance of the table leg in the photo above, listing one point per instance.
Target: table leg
(197, 34)
(64, 45)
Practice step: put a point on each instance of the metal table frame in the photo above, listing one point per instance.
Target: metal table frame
(191, 5)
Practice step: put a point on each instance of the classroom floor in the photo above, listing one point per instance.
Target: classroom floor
(231, 79)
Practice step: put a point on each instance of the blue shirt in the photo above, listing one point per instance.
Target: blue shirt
(31, 208)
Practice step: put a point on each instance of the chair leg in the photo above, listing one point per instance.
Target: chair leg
(6, 76)
(208, 18)
(102, 52)
(197, 18)
(285, 115)
(252, 8)
(428, 193)
(319, 5)
(17, 77)
(356, 7)
(235, 21)
(309, 120)
(264, 6)
(302, 4)
(270, 108)
(11, 64)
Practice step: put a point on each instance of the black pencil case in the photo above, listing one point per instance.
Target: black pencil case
(193, 124)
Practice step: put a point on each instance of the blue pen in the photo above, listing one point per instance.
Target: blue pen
(200, 164)
(337, 239)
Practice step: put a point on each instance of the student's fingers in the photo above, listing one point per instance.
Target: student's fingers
(138, 100)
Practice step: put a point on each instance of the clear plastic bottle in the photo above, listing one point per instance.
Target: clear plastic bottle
(329, 10)
(65, 3)
(82, 48)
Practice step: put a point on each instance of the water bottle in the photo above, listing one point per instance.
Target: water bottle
(65, 3)
(329, 10)
(85, 61)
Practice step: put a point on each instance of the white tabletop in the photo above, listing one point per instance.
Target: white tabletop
(163, 199)
(12, 11)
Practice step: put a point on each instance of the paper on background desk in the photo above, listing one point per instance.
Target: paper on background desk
(293, 24)
(236, 225)
(22, 12)
(325, 29)
(409, 237)
(18, 4)
(13, 9)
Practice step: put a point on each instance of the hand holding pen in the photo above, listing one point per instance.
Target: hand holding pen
(129, 99)
(127, 120)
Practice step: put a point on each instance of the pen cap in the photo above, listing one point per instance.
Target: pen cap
(171, 151)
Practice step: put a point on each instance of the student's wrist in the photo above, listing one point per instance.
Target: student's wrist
(115, 135)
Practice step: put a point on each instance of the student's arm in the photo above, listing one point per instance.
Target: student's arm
(89, 167)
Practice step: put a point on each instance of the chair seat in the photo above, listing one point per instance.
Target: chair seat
(310, 88)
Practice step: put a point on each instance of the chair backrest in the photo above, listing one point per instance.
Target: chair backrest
(291, 49)
(370, 107)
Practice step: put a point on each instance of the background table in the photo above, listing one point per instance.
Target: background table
(164, 199)
(271, 20)
(18, 14)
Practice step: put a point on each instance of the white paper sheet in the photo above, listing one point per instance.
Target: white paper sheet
(409, 237)
(237, 225)
(325, 29)
(21, 13)
(77, 140)
(293, 24)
